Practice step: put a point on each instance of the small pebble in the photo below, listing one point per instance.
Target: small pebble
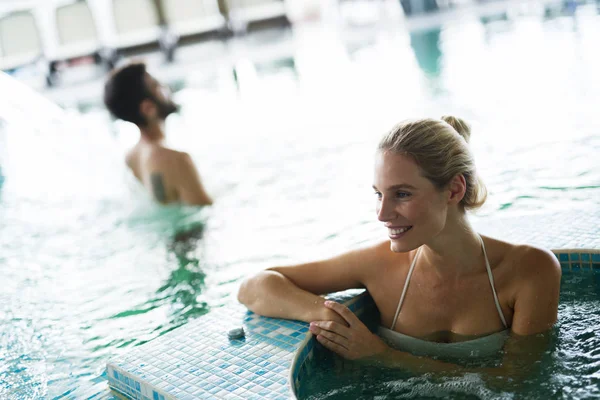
(236, 333)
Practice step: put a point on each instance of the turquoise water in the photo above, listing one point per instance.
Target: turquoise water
(284, 137)
(569, 366)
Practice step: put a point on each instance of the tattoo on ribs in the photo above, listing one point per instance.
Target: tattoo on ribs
(158, 187)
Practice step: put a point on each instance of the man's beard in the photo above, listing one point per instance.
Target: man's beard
(166, 108)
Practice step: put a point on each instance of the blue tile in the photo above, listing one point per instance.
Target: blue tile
(574, 256)
(596, 257)
(563, 257)
(259, 380)
(585, 257)
(575, 266)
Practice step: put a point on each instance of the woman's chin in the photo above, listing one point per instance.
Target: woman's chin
(401, 246)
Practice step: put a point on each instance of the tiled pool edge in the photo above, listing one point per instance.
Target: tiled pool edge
(129, 379)
(132, 385)
(358, 304)
(570, 260)
(264, 365)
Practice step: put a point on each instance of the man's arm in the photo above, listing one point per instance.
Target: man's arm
(189, 186)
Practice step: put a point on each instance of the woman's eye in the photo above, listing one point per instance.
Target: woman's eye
(378, 194)
(402, 195)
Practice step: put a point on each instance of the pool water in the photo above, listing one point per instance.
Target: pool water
(283, 126)
(568, 368)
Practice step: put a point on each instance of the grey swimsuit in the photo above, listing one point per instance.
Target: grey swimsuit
(479, 347)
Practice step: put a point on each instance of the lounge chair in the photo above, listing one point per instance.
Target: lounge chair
(244, 12)
(137, 24)
(190, 17)
(77, 37)
(20, 42)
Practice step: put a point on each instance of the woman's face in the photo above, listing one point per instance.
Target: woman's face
(409, 205)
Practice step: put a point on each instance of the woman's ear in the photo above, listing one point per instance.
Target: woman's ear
(457, 189)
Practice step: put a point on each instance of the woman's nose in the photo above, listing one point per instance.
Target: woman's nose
(385, 210)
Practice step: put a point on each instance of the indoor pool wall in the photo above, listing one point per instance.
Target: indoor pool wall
(199, 361)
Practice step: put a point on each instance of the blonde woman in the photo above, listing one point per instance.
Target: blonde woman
(441, 288)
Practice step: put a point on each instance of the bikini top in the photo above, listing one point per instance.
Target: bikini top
(478, 347)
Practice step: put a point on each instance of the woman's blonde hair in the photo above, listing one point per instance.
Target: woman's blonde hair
(440, 149)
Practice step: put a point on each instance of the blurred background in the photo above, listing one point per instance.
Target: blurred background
(283, 103)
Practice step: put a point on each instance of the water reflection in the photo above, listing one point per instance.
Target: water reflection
(285, 64)
(426, 45)
(249, 76)
(185, 284)
(135, 273)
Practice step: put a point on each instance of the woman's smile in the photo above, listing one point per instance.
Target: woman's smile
(396, 232)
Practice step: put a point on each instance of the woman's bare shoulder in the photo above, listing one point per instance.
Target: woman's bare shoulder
(526, 261)
(383, 262)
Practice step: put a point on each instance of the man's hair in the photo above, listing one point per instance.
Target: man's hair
(125, 90)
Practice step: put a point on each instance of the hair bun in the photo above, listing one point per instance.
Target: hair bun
(459, 125)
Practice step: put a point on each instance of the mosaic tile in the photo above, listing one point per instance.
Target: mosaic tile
(199, 361)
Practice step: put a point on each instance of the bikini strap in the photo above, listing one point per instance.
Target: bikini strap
(410, 271)
(489, 271)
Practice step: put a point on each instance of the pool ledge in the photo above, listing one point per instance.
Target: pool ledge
(198, 361)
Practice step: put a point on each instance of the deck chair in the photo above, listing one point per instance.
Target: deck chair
(76, 31)
(243, 12)
(77, 37)
(20, 42)
(137, 23)
(189, 17)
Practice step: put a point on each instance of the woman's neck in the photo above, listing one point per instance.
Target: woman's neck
(456, 251)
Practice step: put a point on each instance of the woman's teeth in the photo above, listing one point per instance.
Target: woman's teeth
(399, 231)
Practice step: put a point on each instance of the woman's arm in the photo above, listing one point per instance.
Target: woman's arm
(272, 294)
(293, 292)
(538, 288)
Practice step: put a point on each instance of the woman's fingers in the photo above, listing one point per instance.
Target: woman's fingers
(333, 346)
(333, 326)
(331, 336)
(344, 312)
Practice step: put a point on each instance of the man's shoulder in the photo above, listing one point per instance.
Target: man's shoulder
(173, 163)
(167, 155)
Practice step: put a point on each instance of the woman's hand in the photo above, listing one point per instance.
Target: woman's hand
(354, 341)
